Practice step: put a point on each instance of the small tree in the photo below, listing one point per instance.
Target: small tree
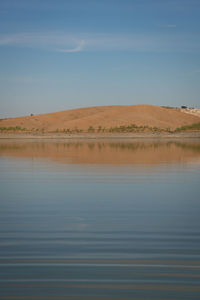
(91, 129)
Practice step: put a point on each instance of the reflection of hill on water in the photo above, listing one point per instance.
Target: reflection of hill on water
(194, 147)
(105, 152)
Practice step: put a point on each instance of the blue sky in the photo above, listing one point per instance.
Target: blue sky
(57, 55)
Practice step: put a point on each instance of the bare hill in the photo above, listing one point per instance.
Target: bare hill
(106, 117)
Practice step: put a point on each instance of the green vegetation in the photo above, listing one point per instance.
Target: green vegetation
(192, 127)
(119, 129)
(100, 129)
(16, 128)
(69, 131)
(134, 128)
(76, 130)
(91, 129)
(126, 129)
(168, 107)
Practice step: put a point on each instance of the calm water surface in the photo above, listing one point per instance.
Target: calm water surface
(100, 220)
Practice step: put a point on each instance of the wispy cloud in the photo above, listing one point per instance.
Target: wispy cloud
(192, 73)
(74, 43)
(168, 26)
(195, 72)
(78, 48)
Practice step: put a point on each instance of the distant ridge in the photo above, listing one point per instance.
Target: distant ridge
(106, 117)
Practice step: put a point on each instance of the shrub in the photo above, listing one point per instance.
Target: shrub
(194, 126)
(16, 128)
(91, 129)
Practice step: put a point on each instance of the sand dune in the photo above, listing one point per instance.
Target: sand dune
(106, 117)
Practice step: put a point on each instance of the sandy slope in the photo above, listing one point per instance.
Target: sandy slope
(105, 116)
(192, 111)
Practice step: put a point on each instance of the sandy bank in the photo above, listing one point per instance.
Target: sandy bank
(149, 135)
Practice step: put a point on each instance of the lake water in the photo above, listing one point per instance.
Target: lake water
(100, 219)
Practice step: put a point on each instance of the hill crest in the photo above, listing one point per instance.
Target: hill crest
(106, 117)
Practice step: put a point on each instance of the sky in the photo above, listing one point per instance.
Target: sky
(64, 54)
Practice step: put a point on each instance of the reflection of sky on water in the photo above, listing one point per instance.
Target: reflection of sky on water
(97, 218)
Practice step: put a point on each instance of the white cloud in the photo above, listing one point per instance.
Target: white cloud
(78, 48)
(73, 43)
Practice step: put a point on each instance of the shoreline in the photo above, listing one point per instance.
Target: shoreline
(149, 135)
